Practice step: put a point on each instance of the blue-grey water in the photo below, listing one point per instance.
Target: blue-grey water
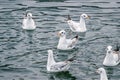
(23, 54)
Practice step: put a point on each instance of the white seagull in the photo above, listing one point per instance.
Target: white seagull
(102, 72)
(28, 22)
(78, 26)
(112, 57)
(66, 44)
(53, 66)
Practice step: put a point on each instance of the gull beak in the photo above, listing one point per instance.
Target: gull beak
(68, 18)
(65, 20)
(97, 71)
(58, 34)
(88, 17)
(106, 49)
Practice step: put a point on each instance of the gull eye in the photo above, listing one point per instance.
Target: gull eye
(100, 71)
(109, 51)
(63, 32)
(84, 16)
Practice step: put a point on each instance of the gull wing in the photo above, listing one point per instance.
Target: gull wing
(73, 41)
(116, 55)
(59, 66)
(73, 25)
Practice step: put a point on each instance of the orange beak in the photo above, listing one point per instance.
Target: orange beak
(58, 34)
(88, 17)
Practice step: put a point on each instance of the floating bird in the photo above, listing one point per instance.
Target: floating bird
(78, 26)
(28, 22)
(112, 57)
(53, 66)
(102, 72)
(66, 44)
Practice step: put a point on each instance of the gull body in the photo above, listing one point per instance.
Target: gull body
(102, 72)
(53, 66)
(66, 44)
(112, 57)
(78, 26)
(28, 23)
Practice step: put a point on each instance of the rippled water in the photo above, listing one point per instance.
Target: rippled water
(23, 54)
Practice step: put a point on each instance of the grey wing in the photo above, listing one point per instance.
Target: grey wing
(73, 42)
(24, 22)
(118, 56)
(73, 24)
(33, 22)
(58, 66)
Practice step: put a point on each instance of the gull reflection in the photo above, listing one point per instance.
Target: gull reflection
(50, 0)
(61, 76)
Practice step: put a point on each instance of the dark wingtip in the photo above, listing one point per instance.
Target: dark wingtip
(71, 59)
(117, 48)
(69, 18)
(27, 13)
(76, 37)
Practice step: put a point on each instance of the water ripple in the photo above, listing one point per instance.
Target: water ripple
(24, 53)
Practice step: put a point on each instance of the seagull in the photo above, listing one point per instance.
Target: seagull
(102, 72)
(66, 44)
(112, 57)
(53, 66)
(28, 22)
(78, 26)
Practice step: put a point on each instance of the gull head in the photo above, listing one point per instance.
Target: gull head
(61, 33)
(100, 70)
(29, 15)
(50, 55)
(109, 48)
(50, 60)
(50, 51)
(85, 16)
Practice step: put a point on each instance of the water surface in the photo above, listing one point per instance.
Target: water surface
(23, 54)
